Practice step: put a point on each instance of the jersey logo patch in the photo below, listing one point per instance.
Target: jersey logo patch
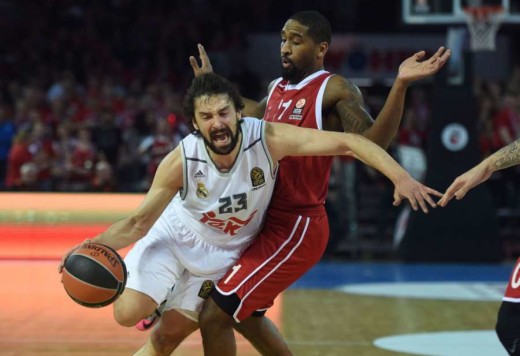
(257, 178)
(199, 174)
(298, 110)
(229, 226)
(206, 288)
(202, 192)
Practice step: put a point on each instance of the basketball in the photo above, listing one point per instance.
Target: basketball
(94, 275)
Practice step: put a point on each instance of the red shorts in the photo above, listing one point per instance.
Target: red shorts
(513, 287)
(287, 246)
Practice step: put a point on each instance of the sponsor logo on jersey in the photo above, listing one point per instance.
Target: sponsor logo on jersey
(298, 110)
(202, 192)
(206, 288)
(257, 178)
(199, 174)
(229, 226)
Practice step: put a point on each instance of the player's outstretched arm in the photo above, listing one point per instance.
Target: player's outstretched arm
(413, 68)
(349, 103)
(252, 108)
(288, 140)
(506, 157)
(167, 182)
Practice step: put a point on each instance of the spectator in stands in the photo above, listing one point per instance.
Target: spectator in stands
(18, 156)
(7, 133)
(80, 168)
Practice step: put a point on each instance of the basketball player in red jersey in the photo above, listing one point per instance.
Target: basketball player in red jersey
(508, 320)
(296, 230)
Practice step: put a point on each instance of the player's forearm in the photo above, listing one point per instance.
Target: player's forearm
(122, 233)
(374, 156)
(506, 157)
(387, 123)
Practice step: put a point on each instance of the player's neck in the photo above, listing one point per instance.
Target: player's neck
(305, 74)
(224, 163)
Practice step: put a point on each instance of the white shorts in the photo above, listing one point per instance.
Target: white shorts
(172, 255)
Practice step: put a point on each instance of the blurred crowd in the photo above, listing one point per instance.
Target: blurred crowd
(91, 96)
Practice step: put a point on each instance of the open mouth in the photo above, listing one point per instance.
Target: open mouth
(222, 137)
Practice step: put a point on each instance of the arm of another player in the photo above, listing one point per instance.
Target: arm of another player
(252, 108)
(506, 157)
(288, 140)
(167, 182)
(348, 103)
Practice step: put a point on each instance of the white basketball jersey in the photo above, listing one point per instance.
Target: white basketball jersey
(226, 209)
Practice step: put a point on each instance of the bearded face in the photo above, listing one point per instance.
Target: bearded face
(291, 72)
(222, 141)
(218, 123)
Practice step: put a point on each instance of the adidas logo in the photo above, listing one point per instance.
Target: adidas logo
(199, 174)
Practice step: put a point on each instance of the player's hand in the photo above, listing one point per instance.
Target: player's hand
(465, 182)
(415, 68)
(205, 66)
(67, 254)
(417, 194)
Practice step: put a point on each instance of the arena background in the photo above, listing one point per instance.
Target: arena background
(90, 102)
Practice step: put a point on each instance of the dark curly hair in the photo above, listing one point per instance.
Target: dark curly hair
(319, 26)
(209, 84)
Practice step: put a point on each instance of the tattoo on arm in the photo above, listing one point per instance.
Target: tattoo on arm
(351, 111)
(508, 156)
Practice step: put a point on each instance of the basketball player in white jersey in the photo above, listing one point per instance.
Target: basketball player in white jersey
(208, 200)
(508, 320)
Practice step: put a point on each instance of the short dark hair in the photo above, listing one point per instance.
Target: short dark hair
(319, 26)
(209, 84)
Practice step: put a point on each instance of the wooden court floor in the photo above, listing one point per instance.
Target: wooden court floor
(38, 318)
(315, 316)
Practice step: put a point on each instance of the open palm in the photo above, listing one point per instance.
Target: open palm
(415, 68)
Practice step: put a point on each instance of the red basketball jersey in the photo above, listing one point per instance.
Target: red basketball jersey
(302, 182)
(512, 293)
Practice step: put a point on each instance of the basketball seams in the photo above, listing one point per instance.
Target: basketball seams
(89, 284)
(100, 263)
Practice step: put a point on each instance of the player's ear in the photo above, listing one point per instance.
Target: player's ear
(194, 122)
(322, 50)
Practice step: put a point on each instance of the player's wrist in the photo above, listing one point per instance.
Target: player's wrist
(399, 176)
(489, 165)
(401, 83)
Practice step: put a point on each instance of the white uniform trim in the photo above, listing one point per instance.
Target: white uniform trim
(319, 104)
(305, 81)
(512, 300)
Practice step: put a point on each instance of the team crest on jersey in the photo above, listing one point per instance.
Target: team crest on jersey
(206, 288)
(298, 110)
(257, 178)
(202, 192)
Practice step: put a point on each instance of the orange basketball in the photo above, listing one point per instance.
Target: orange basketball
(94, 275)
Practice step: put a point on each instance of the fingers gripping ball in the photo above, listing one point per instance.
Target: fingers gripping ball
(94, 275)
